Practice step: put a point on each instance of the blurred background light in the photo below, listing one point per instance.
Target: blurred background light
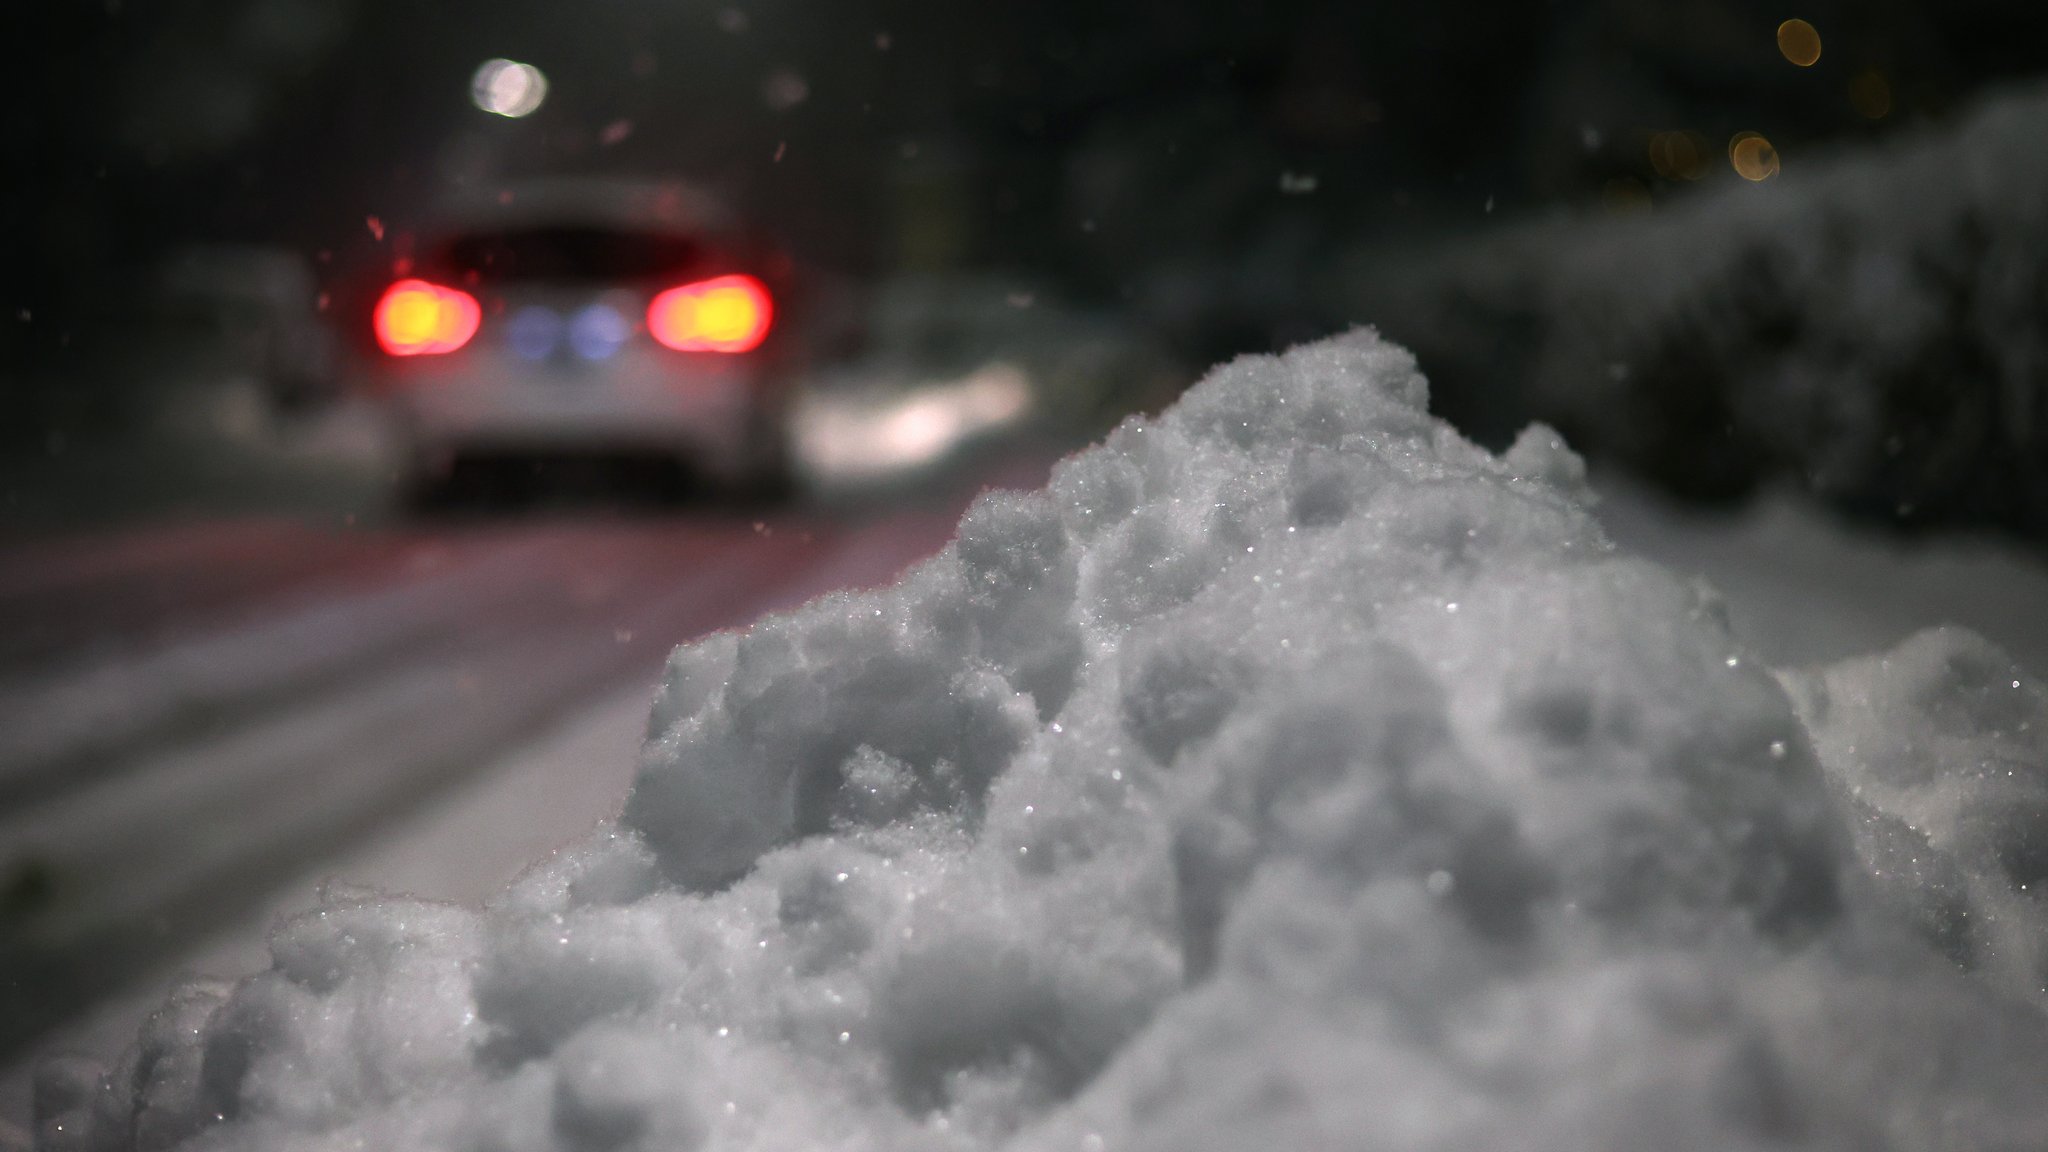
(1800, 42)
(853, 438)
(1679, 155)
(508, 88)
(1753, 156)
(533, 333)
(784, 89)
(1871, 93)
(597, 331)
(1625, 194)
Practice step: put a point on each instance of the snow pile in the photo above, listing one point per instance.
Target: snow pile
(1938, 752)
(1872, 324)
(1289, 773)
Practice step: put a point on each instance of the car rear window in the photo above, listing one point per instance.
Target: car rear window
(570, 254)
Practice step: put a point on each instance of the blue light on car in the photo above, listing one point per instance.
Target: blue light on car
(597, 331)
(533, 333)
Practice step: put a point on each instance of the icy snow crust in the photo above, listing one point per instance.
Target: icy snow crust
(1290, 773)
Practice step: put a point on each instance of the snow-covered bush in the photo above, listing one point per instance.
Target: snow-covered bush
(1871, 325)
(1290, 773)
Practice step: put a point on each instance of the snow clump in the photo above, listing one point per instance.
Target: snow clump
(1290, 773)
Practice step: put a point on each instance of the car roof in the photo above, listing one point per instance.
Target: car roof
(593, 202)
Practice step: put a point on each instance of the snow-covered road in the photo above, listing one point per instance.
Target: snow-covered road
(200, 722)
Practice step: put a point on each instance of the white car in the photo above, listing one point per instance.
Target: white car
(584, 319)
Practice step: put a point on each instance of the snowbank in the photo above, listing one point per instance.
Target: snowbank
(1871, 324)
(1289, 773)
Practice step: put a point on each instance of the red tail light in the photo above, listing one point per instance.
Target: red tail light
(726, 314)
(416, 318)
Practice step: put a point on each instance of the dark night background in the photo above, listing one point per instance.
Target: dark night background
(1193, 167)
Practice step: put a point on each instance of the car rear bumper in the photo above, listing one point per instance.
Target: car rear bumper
(709, 413)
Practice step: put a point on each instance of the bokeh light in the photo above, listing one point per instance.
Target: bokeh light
(415, 318)
(1800, 42)
(598, 331)
(1625, 195)
(1871, 93)
(1680, 155)
(852, 438)
(784, 88)
(1753, 156)
(724, 314)
(534, 332)
(508, 88)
